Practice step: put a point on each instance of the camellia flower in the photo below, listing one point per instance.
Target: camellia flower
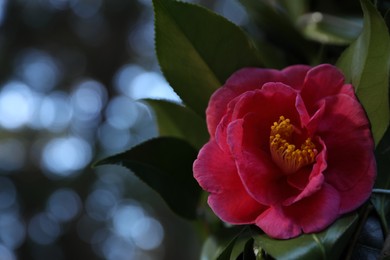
(290, 150)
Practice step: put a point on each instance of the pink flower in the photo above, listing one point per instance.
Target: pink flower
(290, 150)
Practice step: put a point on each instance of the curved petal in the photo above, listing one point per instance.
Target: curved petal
(302, 111)
(216, 173)
(345, 129)
(294, 76)
(359, 193)
(348, 89)
(312, 214)
(263, 180)
(241, 81)
(314, 181)
(276, 224)
(321, 81)
(261, 103)
(316, 212)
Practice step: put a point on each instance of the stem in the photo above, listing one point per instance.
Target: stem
(381, 191)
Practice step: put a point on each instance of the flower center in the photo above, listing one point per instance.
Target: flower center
(286, 155)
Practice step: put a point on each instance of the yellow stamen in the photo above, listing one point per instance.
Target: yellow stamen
(286, 155)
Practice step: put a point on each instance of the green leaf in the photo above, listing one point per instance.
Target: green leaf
(366, 64)
(329, 29)
(178, 121)
(198, 50)
(225, 255)
(295, 9)
(281, 30)
(165, 164)
(248, 253)
(226, 243)
(328, 244)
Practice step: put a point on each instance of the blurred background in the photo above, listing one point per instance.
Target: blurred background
(71, 72)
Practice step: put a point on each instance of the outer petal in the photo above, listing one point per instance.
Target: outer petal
(321, 81)
(241, 81)
(216, 173)
(316, 212)
(294, 76)
(248, 79)
(353, 198)
(351, 166)
(276, 224)
(312, 214)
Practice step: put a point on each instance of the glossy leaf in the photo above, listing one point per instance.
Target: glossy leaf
(366, 64)
(178, 121)
(198, 50)
(328, 244)
(165, 164)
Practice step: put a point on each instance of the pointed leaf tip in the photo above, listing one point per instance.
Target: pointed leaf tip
(165, 164)
(198, 50)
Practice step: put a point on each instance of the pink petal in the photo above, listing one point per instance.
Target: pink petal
(263, 180)
(260, 103)
(302, 111)
(312, 214)
(360, 192)
(314, 181)
(351, 165)
(248, 79)
(321, 81)
(348, 89)
(241, 81)
(216, 173)
(294, 76)
(276, 224)
(316, 212)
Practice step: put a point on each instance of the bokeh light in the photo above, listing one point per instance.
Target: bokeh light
(66, 156)
(55, 112)
(38, 69)
(16, 105)
(6, 254)
(151, 85)
(100, 203)
(43, 229)
(88, 99)
(12, 230)
(64, 205)
(74, 73)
